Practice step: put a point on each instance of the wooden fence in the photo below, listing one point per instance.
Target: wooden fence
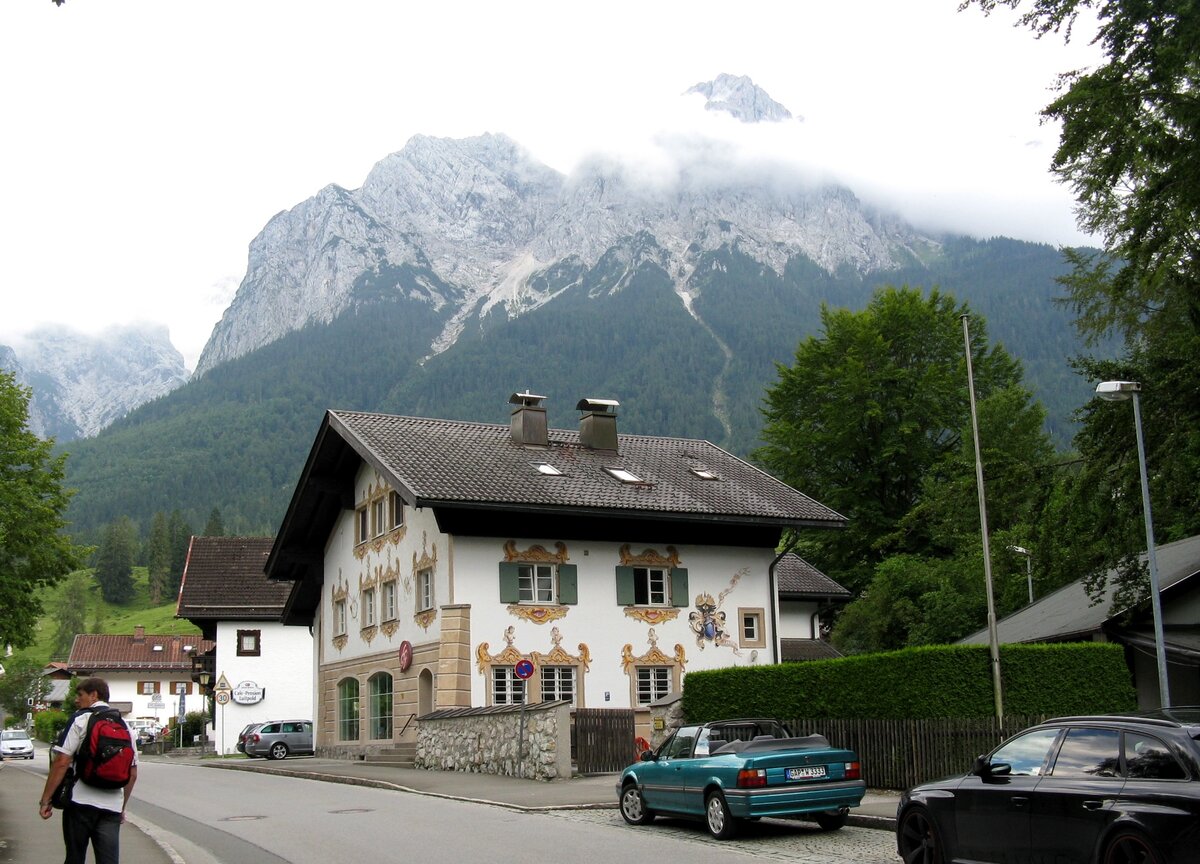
(897, 754)
(603, 739)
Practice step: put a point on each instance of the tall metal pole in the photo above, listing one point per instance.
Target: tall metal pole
(1156, 604)
(1029, 575)
(993, 638)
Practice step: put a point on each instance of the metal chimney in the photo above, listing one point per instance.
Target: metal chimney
(528, 420)
(598, 424)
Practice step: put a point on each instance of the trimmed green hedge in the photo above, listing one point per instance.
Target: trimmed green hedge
(924, 682)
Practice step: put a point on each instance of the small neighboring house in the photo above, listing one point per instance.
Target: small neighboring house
(436, 560)
(147, 675)
(1069, 615)
(268, 666)
(807, 598)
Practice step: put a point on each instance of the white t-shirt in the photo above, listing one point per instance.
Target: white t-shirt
(105, 799)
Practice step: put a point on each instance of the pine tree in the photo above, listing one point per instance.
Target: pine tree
(114, 561)
(71, 614)
(215, 526)
(181, 538)
(159, 557)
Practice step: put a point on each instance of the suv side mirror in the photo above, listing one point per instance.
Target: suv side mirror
(984, 768)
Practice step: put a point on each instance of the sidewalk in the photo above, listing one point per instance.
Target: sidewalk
(25, 837)
(878, 809)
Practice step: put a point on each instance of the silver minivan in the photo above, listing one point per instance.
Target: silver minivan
(279, 739)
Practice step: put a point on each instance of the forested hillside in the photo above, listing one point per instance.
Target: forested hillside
(237, 437)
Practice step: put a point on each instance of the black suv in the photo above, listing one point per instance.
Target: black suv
(1112, 789)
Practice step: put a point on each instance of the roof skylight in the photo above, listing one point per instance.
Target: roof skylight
(546, 468)
(623, 475)
(704, 474)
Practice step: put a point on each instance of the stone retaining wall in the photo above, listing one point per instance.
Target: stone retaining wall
(534, 743)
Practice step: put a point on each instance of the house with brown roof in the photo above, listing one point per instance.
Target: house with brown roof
(148, 675)
(446, 564)
(807, 600)
(269, 667)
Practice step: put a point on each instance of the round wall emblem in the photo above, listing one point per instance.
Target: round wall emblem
(406, 655)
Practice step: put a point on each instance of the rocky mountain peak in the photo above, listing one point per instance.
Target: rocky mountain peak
(739, 96)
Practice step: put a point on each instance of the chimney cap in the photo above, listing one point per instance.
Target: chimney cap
(527, 399)
(599, 405)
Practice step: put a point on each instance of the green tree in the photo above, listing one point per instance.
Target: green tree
(1130, 151)
(22, 680)
(114, 561)
(70, 615)
(158, 555)
(872, 407)
(181, 539)
(34, 551)
(215, 527)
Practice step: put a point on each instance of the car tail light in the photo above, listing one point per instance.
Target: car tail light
(853, 770)
(749, 778)
(255, 739)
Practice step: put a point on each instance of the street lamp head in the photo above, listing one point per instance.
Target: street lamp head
(1117, 391)
(1020, 550)
(205, 679)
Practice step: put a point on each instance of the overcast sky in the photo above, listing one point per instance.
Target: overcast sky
(146, 142)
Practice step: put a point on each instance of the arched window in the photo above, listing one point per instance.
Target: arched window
(348, 710)
(425, 693)
(381, 706)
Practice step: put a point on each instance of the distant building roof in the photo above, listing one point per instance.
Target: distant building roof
(99, 653)
(796, 650)
(223, 579)
(1069, 613)
(798, 579)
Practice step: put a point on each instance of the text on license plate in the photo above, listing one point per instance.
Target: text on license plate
(806, 773)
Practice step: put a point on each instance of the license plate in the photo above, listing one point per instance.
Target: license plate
(806, 773)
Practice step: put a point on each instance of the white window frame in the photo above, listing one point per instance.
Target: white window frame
(389, 600)
(378, 511)
(425, 589)
(362, 525)
(368, 604)
(537, 583)
(339, 617)
(507, 688)
(652, 683)
(644, 591)
(395, 510)
(559, 682)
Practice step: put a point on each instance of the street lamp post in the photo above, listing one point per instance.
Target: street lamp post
(1119, 391)
(1021, 550)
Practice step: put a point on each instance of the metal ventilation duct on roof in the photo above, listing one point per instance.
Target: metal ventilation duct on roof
(528, 420)
(598, 424)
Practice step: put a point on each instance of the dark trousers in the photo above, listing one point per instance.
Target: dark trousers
(102, 828)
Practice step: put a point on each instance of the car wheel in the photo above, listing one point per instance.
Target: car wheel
(279, 750)
(833, 819)
(633, 806)
(917, 838)
(1130, 847)
(717, 817)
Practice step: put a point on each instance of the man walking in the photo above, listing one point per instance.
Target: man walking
(94, 815)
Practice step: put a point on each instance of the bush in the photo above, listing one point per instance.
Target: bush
(924, 682)
(48, 724)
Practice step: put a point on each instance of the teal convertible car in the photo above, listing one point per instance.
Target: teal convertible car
(731, 770)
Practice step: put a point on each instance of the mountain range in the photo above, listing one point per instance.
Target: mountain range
(463, 270)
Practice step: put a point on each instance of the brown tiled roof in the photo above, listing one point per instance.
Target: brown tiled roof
(797, 578)
(109, 653)
(452, 461)
(223, 579)
(796, 650)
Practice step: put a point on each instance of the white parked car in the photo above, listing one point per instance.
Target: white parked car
(15, 744)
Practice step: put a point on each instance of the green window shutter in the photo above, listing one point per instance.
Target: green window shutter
(625, 586)
(679, 587)
(568, 584)
(510, 586)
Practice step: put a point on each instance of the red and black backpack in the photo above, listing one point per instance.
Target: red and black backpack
(105, 757)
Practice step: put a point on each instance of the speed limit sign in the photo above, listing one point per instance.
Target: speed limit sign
(222, 697)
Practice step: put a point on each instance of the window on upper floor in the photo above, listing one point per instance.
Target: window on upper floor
(529, 582)
(148, 688)
(339, 617)
(750, 622)
(389, 600)
(181, 688)
(362, 523)
(368, 606)
(378, 511)
(652, 586)
(425, 589)
(249, 643)
(395, 510)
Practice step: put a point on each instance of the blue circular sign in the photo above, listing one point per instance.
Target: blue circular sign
(524, 669)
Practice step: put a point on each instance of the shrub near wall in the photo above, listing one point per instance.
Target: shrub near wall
(926, 682)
